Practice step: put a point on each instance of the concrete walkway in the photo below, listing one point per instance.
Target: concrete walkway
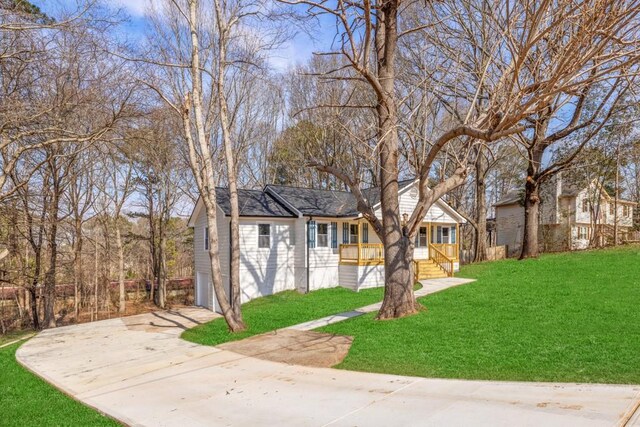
(428, 287)
(139, 371)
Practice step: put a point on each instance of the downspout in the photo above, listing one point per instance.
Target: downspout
(307, 250)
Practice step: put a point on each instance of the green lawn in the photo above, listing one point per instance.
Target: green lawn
(26, 400)
(283, 309)
(566, 317)
(14, 335)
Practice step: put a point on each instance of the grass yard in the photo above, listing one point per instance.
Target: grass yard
(572, 317)
(26, 400)
(281, 310)
(14, 335)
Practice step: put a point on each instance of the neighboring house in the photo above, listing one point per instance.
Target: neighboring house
(571, 217)
(306, 239)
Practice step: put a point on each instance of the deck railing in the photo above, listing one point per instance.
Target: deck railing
(373, 253)
(449, 249)
(441, 259)
(361, 253)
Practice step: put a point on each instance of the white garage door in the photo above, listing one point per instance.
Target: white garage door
(204, 291)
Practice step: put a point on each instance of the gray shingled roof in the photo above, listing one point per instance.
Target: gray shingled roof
(311, 202)
(252, 203)
(512, 197)
(327, 203)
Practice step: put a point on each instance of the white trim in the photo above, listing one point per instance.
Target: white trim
(459, 218)
(328, 224)
(280, 199)
(195, 213)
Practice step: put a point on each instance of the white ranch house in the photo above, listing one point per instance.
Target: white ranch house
(306, 239)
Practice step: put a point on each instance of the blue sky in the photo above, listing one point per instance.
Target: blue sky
(297, 50)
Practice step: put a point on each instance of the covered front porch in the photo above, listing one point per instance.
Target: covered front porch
(436, 251)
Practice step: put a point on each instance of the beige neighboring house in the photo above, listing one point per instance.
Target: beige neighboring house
(571, 217)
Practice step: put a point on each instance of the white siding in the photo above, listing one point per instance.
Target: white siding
(408, 201)
(300, 254)
(324, 261)
(265, 271)
(510, 227)
(201, 256)
(349, 276)
(370, 276)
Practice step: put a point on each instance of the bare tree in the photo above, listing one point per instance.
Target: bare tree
(514, 84)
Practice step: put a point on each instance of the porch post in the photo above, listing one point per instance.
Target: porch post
(457, 240)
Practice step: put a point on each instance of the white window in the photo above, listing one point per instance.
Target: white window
(585, 205)
(292, 235)
(353, 233)
(625, 210)
(583, 233)
(206, 238)
(323, 235)
(612, 209)
(264, 235)
(422, 237)
(445, 235)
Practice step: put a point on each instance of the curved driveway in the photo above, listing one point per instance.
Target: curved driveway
(139, 371)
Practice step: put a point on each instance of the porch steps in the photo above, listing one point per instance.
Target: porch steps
(428, 269)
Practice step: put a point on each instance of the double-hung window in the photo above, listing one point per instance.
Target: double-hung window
(585, 205)
(323, 235)
(422, 237)
(583, 233)
(353, 233)
(264, 235)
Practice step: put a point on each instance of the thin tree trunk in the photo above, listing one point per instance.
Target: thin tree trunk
(162, 270)
(481, 210)
(95, 284)
(616, 240)
(204, 171)
(122, 295)
(77, 267)
(234, 276)
(50, 275)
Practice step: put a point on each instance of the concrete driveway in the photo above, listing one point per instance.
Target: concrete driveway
(139, 371)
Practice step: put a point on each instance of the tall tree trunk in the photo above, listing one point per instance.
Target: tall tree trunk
(33, 289)
(77, 267)
(122, 291)
(203, 169)
(50, 275)
(399, 299)
(481, 209)
(530, 246)
(234, 274)
(616, 230)
(162, 267)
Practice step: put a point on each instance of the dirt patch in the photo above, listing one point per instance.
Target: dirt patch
(306, 348)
